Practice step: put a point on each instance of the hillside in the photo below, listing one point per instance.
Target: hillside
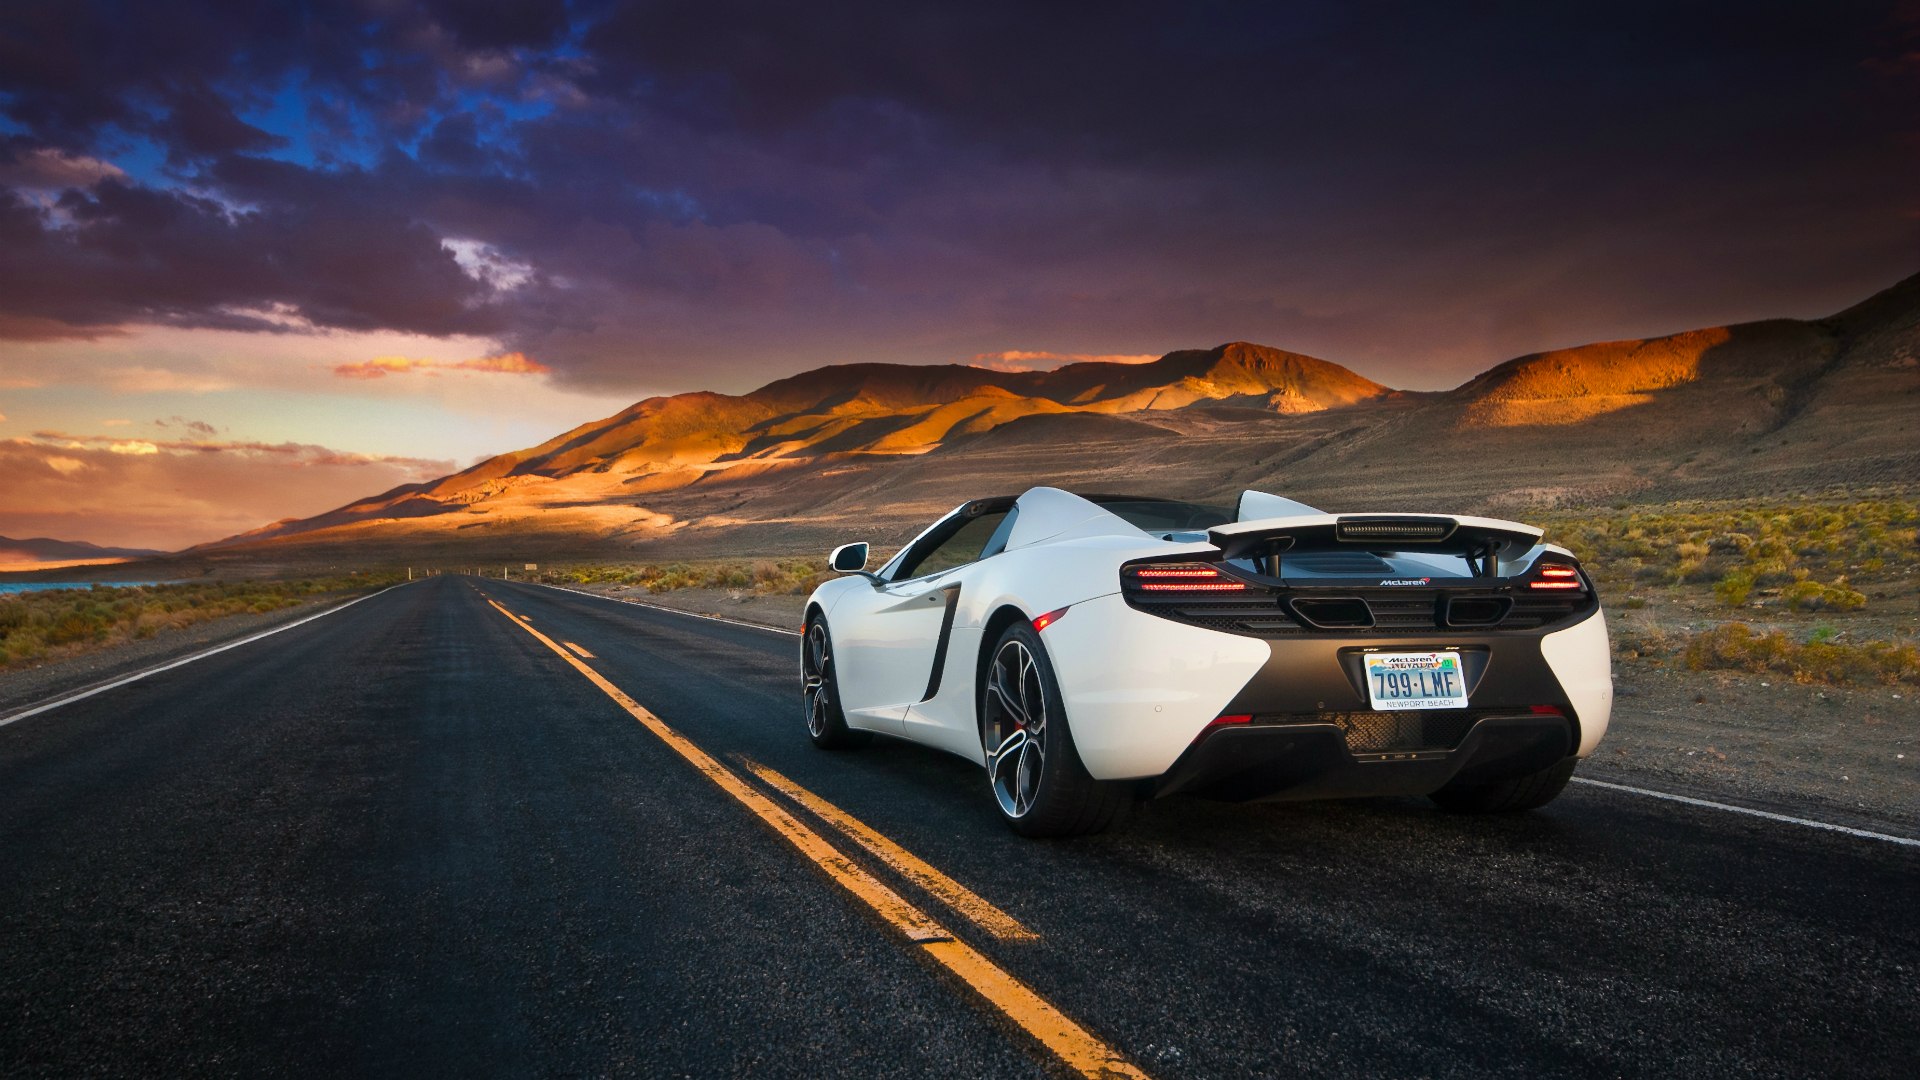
(1774, 407)
(834, 413)
(41, 553)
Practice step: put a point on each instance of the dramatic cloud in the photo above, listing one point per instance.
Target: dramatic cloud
(198, 428)
(714, 193)
(171, 494)
(119, 253)
(285, 453)
(49, 169)
(381, 366)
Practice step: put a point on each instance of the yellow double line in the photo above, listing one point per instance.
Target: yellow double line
(1074, 1045)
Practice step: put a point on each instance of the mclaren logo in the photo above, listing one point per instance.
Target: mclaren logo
(1408, 581)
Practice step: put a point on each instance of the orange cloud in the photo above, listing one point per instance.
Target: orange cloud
(50, 170)
(380, 367)
(184, 492)
(1026, 360)
(286, 453)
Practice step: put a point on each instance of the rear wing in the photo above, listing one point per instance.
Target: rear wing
(1482, 541)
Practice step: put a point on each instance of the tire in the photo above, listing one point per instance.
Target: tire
(1033, 771)
(820, 692)
(1529, 791)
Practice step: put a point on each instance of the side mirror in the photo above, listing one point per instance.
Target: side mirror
(849, 558)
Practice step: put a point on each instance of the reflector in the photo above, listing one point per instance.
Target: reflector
(1044, 621)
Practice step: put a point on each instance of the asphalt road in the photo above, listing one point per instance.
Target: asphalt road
(409, 839)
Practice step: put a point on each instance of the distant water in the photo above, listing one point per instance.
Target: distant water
(7, 587)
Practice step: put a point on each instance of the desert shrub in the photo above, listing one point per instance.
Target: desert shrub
(1808, 595)
(1734, 588)
(1634, 642)
(1731, 543)
(33, 623)
(1663, 544)
(1735, 646)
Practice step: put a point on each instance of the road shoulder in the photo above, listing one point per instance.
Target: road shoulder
(23, 685)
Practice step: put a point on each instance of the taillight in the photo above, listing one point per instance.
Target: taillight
(1183, 577)
(1556, 576)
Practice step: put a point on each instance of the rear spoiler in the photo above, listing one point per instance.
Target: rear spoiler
(1475, 537)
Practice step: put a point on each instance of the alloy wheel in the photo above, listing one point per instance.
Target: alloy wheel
(816, 670)
(1016, 728)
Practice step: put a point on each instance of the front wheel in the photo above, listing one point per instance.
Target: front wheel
(820, 692)
(1529, 791)
(1034, 771)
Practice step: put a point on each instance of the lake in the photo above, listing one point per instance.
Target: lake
(7, 587)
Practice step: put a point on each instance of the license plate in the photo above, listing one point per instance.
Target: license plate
(1416, 680)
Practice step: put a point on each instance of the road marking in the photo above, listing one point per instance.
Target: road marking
(668, 610)
(1786, 818)
(185, 660)
(1904, 841)
(584, 653)
(908, 865)
(1078, 1048)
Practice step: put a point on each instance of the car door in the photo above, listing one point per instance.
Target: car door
(887, 637)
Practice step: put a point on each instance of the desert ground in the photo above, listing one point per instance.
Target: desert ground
(1747, 496)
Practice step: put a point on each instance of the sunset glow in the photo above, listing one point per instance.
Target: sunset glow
(260, 264)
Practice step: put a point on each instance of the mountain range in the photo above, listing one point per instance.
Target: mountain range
(1775, 407)
(43, 553)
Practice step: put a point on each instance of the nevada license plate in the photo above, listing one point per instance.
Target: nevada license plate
(1416, 680)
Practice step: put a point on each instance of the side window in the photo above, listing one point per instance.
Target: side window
(961, 547)
(997, 543)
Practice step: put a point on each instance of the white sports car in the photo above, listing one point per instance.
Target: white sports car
(1093, 649)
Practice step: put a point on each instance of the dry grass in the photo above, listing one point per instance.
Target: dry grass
(35, 625)
(1826, 592)
(769, 576)
(1736, 646)
(1796, 556)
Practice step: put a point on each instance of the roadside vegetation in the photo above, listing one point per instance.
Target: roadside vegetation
(1807, 558)
(796, 577)
(1818, 659)
(37, 625)
(1813, 593)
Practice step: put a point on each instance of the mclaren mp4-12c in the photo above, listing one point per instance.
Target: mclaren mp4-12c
(1091, 650)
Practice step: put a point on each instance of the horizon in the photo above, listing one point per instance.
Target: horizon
(260, 265)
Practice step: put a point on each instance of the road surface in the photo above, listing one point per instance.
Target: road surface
(435, 834)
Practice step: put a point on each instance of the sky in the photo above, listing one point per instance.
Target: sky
(257, 260)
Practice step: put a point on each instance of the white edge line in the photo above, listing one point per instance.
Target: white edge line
(1904, 841)
(668, 610)
(181, 662)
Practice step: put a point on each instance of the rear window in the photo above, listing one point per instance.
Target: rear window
(1165, 515)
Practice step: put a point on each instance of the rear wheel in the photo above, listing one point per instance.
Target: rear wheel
(820, 692)
(1529, 791)
(1034, 771)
